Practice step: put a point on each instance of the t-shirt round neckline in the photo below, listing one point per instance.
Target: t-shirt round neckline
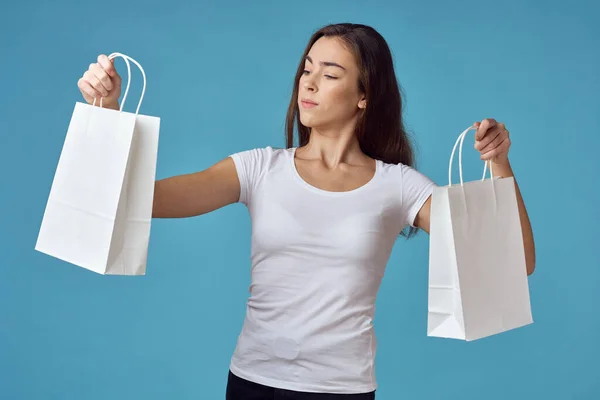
(315, 189)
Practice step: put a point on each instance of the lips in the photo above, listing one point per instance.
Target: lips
(308, 103)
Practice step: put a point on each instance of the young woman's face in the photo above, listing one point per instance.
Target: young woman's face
(328, 93)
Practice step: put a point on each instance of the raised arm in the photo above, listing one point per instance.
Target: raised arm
(493, 143)
(197, 193)
(179, 196)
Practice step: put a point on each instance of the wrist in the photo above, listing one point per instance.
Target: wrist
(502, 168)
(500, 162)
(113, 105)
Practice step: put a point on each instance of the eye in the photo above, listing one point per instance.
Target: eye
(306, 72)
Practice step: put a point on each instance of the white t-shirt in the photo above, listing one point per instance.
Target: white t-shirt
(318, 258)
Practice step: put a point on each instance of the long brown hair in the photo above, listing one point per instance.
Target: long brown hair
(380, 129)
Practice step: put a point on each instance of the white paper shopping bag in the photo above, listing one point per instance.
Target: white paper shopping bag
(99, 209)
(478, 283)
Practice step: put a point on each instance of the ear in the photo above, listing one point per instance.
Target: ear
(362, 103)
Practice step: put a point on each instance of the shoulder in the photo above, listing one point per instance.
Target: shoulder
(405, 190)
(261, 156)
(412, 185)
(255, 163)
(402, 173)
(267, 151)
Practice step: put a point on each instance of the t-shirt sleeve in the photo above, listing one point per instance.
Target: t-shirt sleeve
(416, 189)
(251, 166)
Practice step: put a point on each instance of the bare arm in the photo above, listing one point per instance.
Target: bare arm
(422, 220)
(504, 170)
(493, 143)
(197, 193)
(179, 196)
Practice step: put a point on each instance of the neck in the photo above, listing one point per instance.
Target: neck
(334, 146)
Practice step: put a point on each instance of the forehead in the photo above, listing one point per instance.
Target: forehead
(331, 49)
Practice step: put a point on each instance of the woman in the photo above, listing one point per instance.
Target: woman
(325, 216)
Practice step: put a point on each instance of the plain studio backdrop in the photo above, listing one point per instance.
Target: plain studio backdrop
(220, 77)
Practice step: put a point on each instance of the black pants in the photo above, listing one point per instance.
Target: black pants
(241, 389)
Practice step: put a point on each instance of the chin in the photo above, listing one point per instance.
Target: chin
(307, 121)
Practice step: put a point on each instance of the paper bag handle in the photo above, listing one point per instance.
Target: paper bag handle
(127, 59)
(461, 139)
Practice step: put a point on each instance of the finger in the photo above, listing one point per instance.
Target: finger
(95, 83)
(102, 76)
(486, 125)
(491, 122)
(501, 149)
(492, 142)
(491, 135)
(107, 65)
(501, 126)
(88, 89)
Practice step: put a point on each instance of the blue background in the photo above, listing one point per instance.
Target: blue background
(220, 76)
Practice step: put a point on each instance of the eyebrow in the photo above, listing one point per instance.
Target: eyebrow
(326, 63)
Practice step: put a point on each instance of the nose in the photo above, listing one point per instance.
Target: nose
(309, 84)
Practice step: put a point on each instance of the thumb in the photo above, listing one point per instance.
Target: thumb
(115, 75)
(476, 125)
(112, 71)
